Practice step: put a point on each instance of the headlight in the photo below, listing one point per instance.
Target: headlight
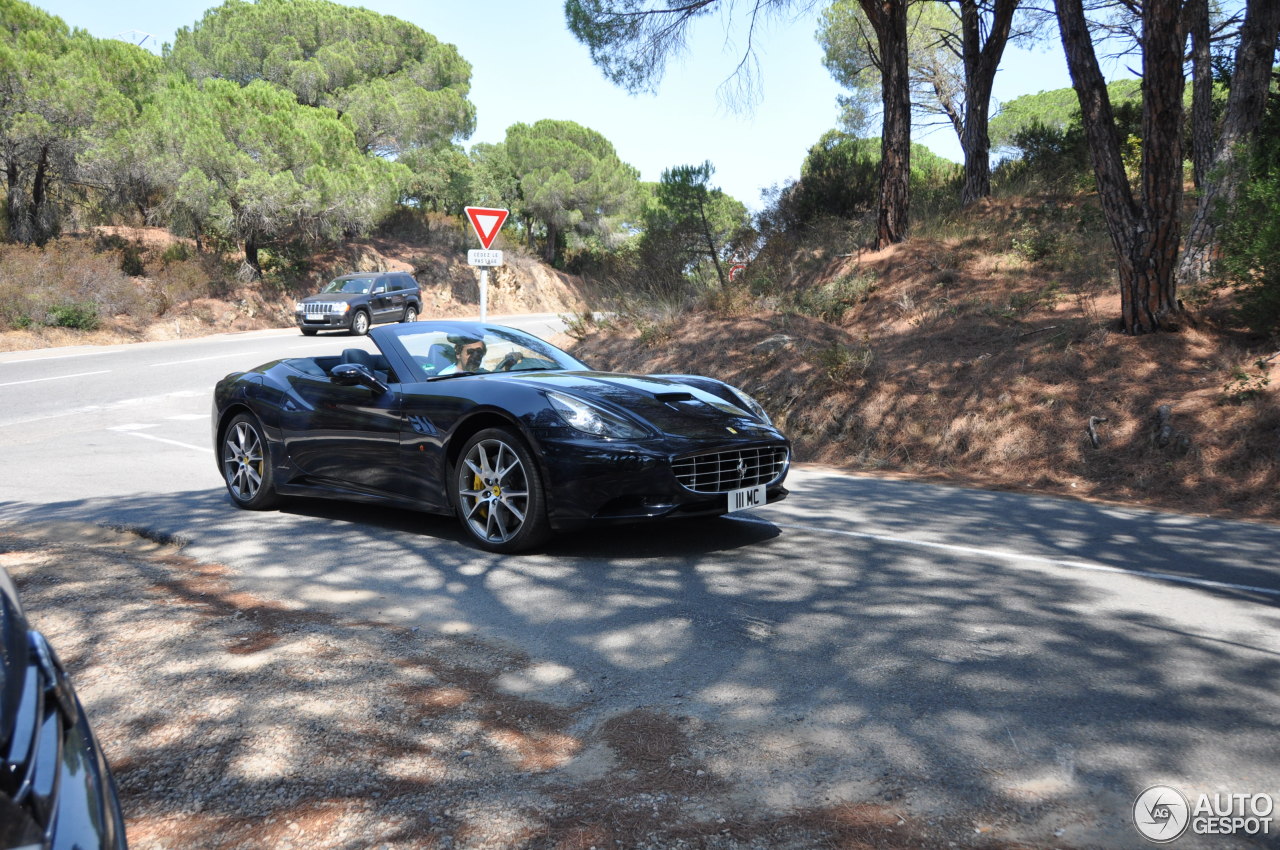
(751, 404)
(344, 307)
(589, 419)
(299, 307)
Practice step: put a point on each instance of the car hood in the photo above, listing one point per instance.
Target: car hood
(329, 298)
(667, 405)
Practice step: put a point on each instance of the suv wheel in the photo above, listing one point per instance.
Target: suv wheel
(410, 314)
(360, 323)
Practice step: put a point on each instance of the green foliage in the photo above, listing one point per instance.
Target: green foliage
(1055, 157)
(1046, 111)
(935, 68)
(844, 363)
(830, 301)
(398, 86)
(252, 164)
(571, 180)
(840, 179)
(691, 228)
(1246, 386)
(81, 316)
(62, 93)
(1250, 232)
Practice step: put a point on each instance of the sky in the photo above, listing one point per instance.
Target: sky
(527, 66)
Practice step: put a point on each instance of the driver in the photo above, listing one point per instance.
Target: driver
(468, 356)
(468, 353)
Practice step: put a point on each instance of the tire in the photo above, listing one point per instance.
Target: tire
(493, 461)
(410, 314)
(360, 323)
(308, 331)
(246, 464)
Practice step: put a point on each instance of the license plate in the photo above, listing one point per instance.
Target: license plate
(749, 497)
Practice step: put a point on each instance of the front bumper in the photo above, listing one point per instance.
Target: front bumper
(323, 322)
(594, 483)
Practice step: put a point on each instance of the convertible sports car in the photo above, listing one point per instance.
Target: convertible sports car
(513, 435)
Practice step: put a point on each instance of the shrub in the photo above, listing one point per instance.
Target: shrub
(1250, 233)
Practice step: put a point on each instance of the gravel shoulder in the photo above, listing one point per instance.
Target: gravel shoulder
(236, 721)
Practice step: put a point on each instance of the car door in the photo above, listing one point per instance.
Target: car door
(398, 295)
(343, 436)
(381, 300)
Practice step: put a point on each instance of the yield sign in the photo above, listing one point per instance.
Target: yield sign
(487, 223)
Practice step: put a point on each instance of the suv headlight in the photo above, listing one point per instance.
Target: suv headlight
(751, 404)
(589, 419)
(299, 307)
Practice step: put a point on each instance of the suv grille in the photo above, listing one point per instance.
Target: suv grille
(720, 472)
(319, 309)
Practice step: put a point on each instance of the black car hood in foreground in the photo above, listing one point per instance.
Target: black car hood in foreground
(55, 788)
(668, 405)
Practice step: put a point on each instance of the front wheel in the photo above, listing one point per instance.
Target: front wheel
(410, 314)
(360, 323)
(246, 464)
(498, 492)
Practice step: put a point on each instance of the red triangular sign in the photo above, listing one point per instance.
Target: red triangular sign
(487, 223)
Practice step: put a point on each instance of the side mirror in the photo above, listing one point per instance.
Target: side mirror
(356, 375)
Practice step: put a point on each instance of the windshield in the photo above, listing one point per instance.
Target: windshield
(445, 350)
(351, 285)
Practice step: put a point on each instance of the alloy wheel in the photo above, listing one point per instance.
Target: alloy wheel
(493, 489)
(243, 460)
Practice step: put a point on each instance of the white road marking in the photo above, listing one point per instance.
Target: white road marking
(1010, 556)
(98, 408)
(202, 359)
(205, 449)
(54, 378)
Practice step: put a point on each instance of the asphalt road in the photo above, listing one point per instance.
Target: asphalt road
(866, 638)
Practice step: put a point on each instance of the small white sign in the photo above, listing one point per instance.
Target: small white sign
(476, 257)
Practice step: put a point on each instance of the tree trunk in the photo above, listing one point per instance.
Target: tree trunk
(1145, 235)
(1245, 107)
(1154, 303)
(711, 242)
(39, 197)
(553, 239)
(251, 255)
(889, 20)
(980, 64)
(1196, 22)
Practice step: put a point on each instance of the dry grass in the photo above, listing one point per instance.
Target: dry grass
(976, 360)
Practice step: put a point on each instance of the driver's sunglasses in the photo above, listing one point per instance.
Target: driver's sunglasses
(470, 351)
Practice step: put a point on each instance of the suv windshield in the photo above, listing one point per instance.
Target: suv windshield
(356, 286)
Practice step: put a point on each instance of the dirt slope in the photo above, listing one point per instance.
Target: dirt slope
(986, 361)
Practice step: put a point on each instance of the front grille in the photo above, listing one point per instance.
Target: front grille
(721, 472)
(319, 309)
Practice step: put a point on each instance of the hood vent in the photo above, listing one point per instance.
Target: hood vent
(672, 398)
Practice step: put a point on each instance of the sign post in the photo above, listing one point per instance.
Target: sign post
(486, 223)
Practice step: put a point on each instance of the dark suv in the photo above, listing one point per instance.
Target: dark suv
(353, 302)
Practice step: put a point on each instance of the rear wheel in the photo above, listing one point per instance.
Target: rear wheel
(360, 323)
(498, 492)
(410, 314)
(246, 464)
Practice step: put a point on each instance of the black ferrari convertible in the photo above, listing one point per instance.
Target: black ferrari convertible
(513, 435)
